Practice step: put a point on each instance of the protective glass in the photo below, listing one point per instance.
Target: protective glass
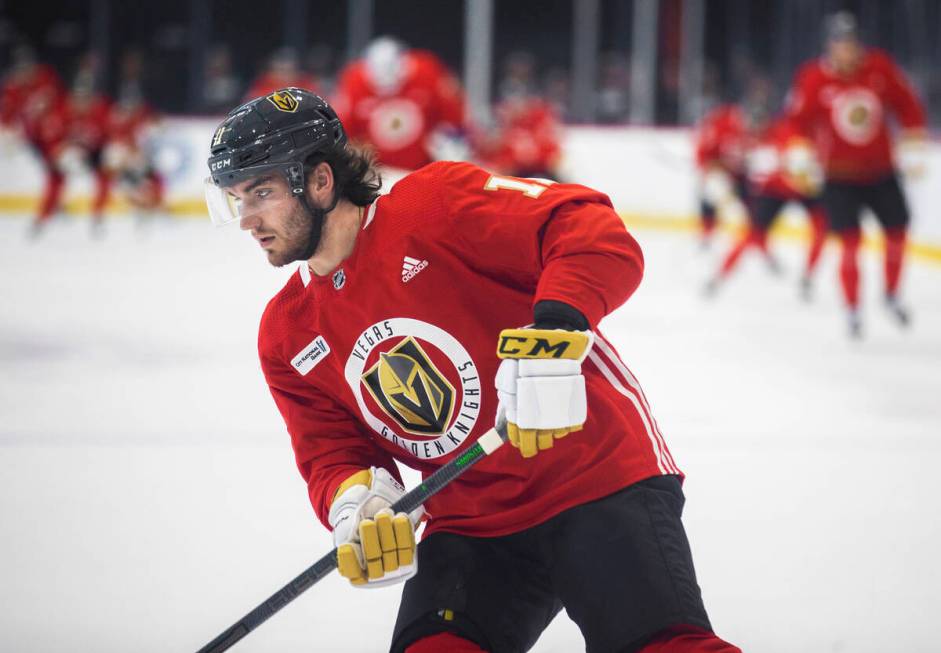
(266, 195)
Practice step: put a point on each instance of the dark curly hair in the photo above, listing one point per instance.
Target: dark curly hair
(354, 172)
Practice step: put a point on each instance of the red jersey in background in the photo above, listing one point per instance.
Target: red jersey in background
(847, 115)
(781, 162)
(128, 121)
(88, 121)
(722, 139)
(392, 357)
(399, 123)
(28, 97)
(526, 141)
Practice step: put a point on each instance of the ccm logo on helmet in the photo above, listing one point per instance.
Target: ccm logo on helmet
(219, 165)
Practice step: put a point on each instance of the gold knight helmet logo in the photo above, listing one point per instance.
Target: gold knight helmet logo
(284, 101)
(411, 390)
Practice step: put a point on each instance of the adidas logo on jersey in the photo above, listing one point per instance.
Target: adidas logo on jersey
(411, 267)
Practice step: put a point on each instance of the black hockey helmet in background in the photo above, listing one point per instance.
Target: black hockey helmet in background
(278, 131)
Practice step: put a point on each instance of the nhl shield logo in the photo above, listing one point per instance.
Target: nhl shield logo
(411, 390)
(284, 101)
(339, 279)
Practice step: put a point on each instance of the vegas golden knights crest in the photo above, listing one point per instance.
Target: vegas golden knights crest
(284, 101)
(411, 390)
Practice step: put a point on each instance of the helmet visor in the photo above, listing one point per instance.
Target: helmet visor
(264, 195)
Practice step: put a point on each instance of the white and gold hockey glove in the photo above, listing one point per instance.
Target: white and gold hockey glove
(374, 547)
(912, 154)
(802, 168)
(540, 385)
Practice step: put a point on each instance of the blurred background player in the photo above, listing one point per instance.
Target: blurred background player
(781, 167)
(842, 102)
(87, 116)
(128, 157)
(283, 70)
(404, 103)
(720, 145)
(525, 140)
(222, 86)
(31, 108)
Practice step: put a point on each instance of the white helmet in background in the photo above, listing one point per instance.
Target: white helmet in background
(385, 64)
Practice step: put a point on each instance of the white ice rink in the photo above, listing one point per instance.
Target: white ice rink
(149, 496)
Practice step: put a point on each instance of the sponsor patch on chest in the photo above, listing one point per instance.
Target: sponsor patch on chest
(310, 355)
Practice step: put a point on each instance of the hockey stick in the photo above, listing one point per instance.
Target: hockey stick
(485, 445)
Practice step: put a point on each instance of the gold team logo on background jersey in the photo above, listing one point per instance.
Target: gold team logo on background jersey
(284, 101)
(411, 390)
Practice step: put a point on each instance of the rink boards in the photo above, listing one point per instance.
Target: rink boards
(648, 173)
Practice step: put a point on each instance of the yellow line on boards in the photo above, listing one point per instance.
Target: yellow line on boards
(194, 208)
(926, 252)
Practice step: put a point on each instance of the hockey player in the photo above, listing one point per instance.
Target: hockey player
(283, 70)
(31, 107)
(842, 101)
(781, 168)
(404, 103)
(401, 338)
(127, 157)
(87, 120)
(720, 144)
(525, 142)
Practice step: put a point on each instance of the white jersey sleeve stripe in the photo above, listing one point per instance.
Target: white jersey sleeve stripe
(631, 380)
(613, 380)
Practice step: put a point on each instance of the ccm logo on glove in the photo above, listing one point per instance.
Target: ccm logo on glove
(540, 385)
(543, 343)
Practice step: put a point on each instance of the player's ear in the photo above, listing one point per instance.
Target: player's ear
(320, 182)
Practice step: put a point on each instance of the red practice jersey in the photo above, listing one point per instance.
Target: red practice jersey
(398, 125)
(766, 160)
(721, 140)
(527, 139)
(30, 96)
(393, 356)
(128, 122)
(48, 130)
(847, 115)
(88, 121)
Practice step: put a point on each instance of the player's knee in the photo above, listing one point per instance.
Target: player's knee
(687, 639)
(444, 643)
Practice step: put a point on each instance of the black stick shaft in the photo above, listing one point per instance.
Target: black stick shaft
(317, 571)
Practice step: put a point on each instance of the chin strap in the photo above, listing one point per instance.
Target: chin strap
(317, 217)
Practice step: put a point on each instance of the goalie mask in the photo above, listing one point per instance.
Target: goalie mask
(268, 138)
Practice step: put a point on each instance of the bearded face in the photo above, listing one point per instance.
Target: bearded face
(286, 228)
(291, 239)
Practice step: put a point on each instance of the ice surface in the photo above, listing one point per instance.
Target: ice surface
(150, 498)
